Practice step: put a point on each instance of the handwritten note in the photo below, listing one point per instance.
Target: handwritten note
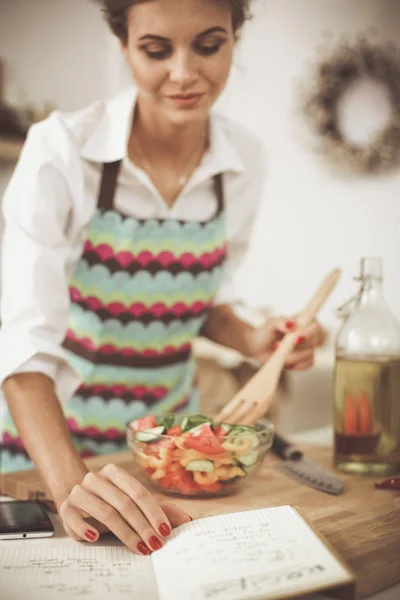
(78, 572)
(268, 553)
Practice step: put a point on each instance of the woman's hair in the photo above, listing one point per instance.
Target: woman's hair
(117, 18)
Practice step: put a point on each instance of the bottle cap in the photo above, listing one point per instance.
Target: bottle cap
(371, 268)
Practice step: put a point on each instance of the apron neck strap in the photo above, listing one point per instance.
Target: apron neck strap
(108, 185)
(219, 192)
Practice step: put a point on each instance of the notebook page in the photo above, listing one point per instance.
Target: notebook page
(75, 572)
(267, 553)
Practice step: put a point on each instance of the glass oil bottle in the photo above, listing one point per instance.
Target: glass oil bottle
(367, 381)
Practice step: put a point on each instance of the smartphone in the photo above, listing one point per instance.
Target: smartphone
(24, 519)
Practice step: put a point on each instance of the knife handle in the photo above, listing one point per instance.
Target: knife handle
(285, 449)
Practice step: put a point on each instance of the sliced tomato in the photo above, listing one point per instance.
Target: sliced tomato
(204, 440)
(144, 423)
(203, 430)
(180, 480)
(175, 431)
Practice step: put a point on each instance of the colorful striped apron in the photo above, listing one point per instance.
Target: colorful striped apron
(139, 296)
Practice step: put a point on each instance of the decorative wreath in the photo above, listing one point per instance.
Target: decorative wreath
(348, 63)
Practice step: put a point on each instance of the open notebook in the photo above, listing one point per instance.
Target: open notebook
(260, 554)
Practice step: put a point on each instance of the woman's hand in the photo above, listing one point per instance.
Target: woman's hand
(121, 504)
(264, 341)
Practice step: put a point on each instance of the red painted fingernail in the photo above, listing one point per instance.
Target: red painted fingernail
(155, 543)
(290, 325)
(165, 529)
(90, 535)
(300, 339)
(143, 549)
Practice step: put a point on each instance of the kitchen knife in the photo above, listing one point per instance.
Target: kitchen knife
(303, 469)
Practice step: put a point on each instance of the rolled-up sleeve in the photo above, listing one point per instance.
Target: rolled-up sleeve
(34, 264)
(244, 194)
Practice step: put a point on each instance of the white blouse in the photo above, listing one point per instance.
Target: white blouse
(52, 196)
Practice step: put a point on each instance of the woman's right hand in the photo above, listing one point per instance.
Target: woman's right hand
(121, 504)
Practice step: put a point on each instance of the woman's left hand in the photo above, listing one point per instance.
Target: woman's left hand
(266, 339)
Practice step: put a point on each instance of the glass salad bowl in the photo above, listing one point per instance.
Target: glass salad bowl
(195, 456)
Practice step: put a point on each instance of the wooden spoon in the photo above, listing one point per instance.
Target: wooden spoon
(254, 398)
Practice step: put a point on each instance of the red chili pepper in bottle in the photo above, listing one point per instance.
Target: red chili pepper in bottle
(389, 484)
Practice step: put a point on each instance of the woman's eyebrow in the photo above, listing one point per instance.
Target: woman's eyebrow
(150, 36)
(212, 30)
(160, 38)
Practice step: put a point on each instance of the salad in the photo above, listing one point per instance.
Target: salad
(194, 454)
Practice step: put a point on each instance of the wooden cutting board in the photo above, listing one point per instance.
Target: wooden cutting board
(363, 524)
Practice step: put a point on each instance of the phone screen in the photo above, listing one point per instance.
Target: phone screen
(24, 517)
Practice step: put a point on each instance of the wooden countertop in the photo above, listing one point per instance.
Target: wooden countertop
(363, 524)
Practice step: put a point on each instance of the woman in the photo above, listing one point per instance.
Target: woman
(125, 223)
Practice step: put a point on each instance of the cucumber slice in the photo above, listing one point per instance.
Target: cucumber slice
(243, 439)
(249, 459)
(206, 466)
(240, 434)
(255, 439)
(189, 423)
(194, 429)
(167, 421)
(236, 429)
(150, 435)
(184, 422)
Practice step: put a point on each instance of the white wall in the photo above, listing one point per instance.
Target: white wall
(54, 51)
(311, 219)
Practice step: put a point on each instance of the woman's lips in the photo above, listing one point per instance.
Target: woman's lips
(185, 100)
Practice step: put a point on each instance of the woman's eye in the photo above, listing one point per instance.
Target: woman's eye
(158, 53)
(209, 49)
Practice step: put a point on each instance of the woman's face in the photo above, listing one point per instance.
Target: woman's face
(180, 54)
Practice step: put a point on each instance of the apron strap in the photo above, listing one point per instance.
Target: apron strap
(108, 185)
(219, 192)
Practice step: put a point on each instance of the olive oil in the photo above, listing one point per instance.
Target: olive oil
(367, 414)
(367, 380)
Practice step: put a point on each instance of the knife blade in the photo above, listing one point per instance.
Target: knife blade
(304, 469)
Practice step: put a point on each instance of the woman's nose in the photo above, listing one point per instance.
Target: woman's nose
(183, 70)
